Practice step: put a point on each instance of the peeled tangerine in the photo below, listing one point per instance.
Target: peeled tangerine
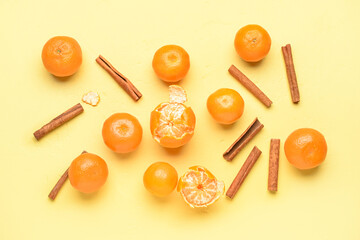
(199, 187)
(172, 123)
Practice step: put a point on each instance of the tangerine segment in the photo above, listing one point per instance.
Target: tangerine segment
(172, 124)
(199, 187)
(62, 56)
(305, 148)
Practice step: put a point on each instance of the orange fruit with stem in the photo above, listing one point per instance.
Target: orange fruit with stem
(160, 179)
(305, 148)
(171, 63)
(122, 132)
(172, 123)
(225, 105)
(199, 187)
(88, 173)
(62, 56)
(252, 43)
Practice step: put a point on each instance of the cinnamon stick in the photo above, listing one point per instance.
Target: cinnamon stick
(125, 83)
(290, 72)
(249, 85)
(273, 165)
(54, 192)
(244, 138)
(244, 171)
(59, 120)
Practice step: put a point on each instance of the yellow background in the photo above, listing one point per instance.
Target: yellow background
(319, 204)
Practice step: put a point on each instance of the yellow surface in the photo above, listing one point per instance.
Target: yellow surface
(318, 204)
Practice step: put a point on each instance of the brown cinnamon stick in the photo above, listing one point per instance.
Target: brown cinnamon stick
(125, 83)
(290, 72)
(54, 192)
(244, 138)
(273, 165)
(59, 120)
(249, 85)
(244, 171)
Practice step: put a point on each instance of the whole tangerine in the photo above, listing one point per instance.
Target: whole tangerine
(252, 43)
(122, 132)
(305, 148)
(171, 63)
(62, 56)
(160, 179)
(225, 105)
(88, 173)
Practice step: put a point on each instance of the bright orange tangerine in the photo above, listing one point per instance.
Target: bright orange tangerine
(225, 105)
(252, 43)
(199, 187)
(62, 56)
(88, 173)
(172, 124)
(160, 179)
(122, 132)
(305, 148)
(171, 63)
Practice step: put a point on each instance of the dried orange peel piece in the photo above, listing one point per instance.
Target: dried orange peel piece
(172, 123)
(91, 98)
(199, 187)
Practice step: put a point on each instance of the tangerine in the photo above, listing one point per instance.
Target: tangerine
(171, 63)
(160, 179)
(62, 56)
(88, 173)
(305, 148)
(122, 132)
(199, 187)
(252, 43)
(225, 105)
(172, 124)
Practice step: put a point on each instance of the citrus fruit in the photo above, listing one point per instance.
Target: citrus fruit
(88, 172)
(122, 132)
(305, 148)
(62, 56)
(171, 63)
(225, 105)
(199, 187)
(252, 43)
(160, 179)
(172, 124)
